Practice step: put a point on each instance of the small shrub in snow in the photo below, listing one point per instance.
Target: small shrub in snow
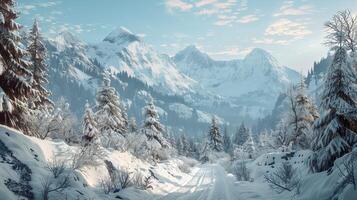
(241, 171)
(285, 178)
(184, 168)
(57, 167)
(123, 178)
(89, 154)
(117, 179)
(347, 170)
(189, 161)
(142, 182)
(50, 185)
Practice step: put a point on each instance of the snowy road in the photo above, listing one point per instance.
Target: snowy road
(210, 182)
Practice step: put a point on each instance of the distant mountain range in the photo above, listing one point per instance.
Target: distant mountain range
(188, 88)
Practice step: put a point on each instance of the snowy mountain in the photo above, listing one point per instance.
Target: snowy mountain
(228, 89)
(124, 51)
(74, 67)
(258, 77)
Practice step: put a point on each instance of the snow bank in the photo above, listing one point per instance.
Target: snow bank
(36, 154)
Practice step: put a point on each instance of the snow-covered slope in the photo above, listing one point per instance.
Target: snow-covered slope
(257, 77)
(122, 50)
(25, 171)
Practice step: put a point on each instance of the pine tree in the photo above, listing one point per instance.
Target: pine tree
(179, 146)
(15, 78)
(266, 142)
(184, 145)
(249, 147)
(152, 127)
(241, 135)
(89, 125)
(334, 135)
(215, 137)
(38, 67)
(110, 114)
(227, 142)
(132, 125)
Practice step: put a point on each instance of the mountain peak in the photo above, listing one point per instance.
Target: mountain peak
(258, 55)
(192, 53)
(67, 37)
(121, 35)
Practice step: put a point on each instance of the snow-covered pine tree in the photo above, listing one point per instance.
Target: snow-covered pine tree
(110, 114)
(266, 142)
(227, 141)
(152, 127)
(281, 135)
(185, 145)
(215, 137)
(133, 127)
(178, 145)
(38, 67)
(299, 118)
(334, 135)
(15, 78)
(241, 135)
(89, 125)
(335, 132)
(249, 147)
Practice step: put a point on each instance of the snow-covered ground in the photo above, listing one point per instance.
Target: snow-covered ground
(25, 160)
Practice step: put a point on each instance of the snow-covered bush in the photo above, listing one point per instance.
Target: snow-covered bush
(141, 182)
(89, 154)
(241, 171)
(57, 167)
(43, 124)
(348, 172)
(117, 179)
(189, 161)
(284, 178)
(57, 185)
(185, 168)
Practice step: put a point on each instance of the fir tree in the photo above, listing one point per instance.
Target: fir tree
(15, 77)
(215, 137)
(185, 146)
(334, 135)
(152, 127)
(249, 147)
(89, 125)
(227, 141)
(241, 135)
(133, 127)
(37, 51)
(110, 114)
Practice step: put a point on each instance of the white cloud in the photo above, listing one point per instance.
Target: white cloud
(212, 8)
(223, 22)
(207, 12)
(48, 4)
(28, 8)
(178, 4)
(288, 9)
(270, 41)
(248, 19)
(286, 27)
(204, 3)
(56, 12)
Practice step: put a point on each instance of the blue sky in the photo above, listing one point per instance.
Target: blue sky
(292, 30)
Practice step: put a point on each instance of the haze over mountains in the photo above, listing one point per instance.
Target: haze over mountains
(188, 86)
